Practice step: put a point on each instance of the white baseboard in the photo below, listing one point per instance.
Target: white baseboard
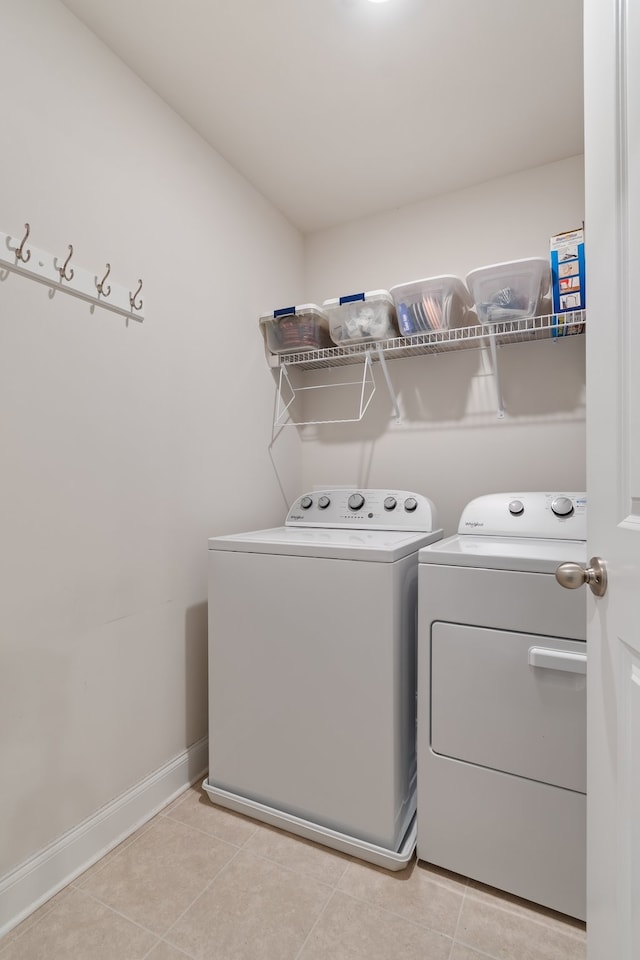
(36, 880)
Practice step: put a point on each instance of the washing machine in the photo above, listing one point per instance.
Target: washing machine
(502, 699)
(312, 670)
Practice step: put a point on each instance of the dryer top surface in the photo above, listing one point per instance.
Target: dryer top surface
(504, 553)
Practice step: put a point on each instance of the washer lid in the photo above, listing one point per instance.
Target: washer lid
(383, 546)
(504, 553)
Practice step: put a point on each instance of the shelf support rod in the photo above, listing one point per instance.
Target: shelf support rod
(496, 374)
(392, 393)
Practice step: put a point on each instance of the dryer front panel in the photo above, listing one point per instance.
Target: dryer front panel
(511, 702)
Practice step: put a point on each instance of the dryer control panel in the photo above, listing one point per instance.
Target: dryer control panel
(544, 515)
(364, 510)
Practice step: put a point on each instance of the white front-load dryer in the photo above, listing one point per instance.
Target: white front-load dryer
(312, 670)
(502, 699)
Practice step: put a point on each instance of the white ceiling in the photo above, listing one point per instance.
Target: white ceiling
(336, 109)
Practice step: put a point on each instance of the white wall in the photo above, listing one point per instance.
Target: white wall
(123, 446)
(450, 444)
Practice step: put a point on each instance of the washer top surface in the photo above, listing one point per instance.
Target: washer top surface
(375, 545)
(532, 532)
(346, 524)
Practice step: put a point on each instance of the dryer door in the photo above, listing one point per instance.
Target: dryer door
(513, 702)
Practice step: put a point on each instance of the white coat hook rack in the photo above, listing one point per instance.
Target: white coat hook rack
(58, 273)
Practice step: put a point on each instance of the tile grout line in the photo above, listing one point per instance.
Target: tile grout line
(108, 907)
(481, 953)
(129, 842)
(315, 924)
(457, 942)
(540, 918)
(34, 923)
(491, 956)
(400, 916)
(187, 956)
(275, 863)
(112, 854)
(541, 921)
(513, 913)
(119, 913)
(297, 873)
(455, 930)
(392, 913)
(213, 836)
(196, 898)
(161, 936)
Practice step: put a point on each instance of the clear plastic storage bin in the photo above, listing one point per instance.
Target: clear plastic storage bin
(436, 303)
(361, 316)
(292, 329)
(510, 291)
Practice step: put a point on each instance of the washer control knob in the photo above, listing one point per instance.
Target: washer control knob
(411, 504)
(324, 502)
(306, 502)
(356, 501)
(562, 506)
(516, 508)
(390, 503)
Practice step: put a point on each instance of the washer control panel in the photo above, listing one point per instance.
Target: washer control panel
(547, 516)
(364, 509)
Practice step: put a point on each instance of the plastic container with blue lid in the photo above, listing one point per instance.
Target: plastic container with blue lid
(293, 329)
(359, 317)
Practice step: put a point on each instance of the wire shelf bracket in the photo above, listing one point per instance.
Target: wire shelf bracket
(287, 393)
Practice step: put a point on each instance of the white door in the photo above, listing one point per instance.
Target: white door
(612, 157)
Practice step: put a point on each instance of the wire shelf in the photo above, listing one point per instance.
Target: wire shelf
(439, 341)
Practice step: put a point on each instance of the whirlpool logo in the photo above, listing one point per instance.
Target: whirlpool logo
(473, 523)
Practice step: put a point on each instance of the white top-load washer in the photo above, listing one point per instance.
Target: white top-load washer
(502, 699)
(312, 670)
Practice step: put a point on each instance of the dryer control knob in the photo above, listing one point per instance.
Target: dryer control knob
(306, 502)
(516, 507)
(390, 503)
(411, 504)
(324, 502)
(356, 501)
(562, 506)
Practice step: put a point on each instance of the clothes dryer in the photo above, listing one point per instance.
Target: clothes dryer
(312, 670)
(502, 699)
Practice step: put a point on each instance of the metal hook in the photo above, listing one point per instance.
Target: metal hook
(20, 254)
(100, 283)
(63, 269)
(132, 297)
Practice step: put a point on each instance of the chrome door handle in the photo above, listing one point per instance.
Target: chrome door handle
(573, 575)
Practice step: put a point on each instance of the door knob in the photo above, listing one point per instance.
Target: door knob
(573, 575)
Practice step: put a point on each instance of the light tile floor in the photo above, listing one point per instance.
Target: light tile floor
(201, 882)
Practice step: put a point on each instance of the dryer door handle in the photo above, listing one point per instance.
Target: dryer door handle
(558, 660)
